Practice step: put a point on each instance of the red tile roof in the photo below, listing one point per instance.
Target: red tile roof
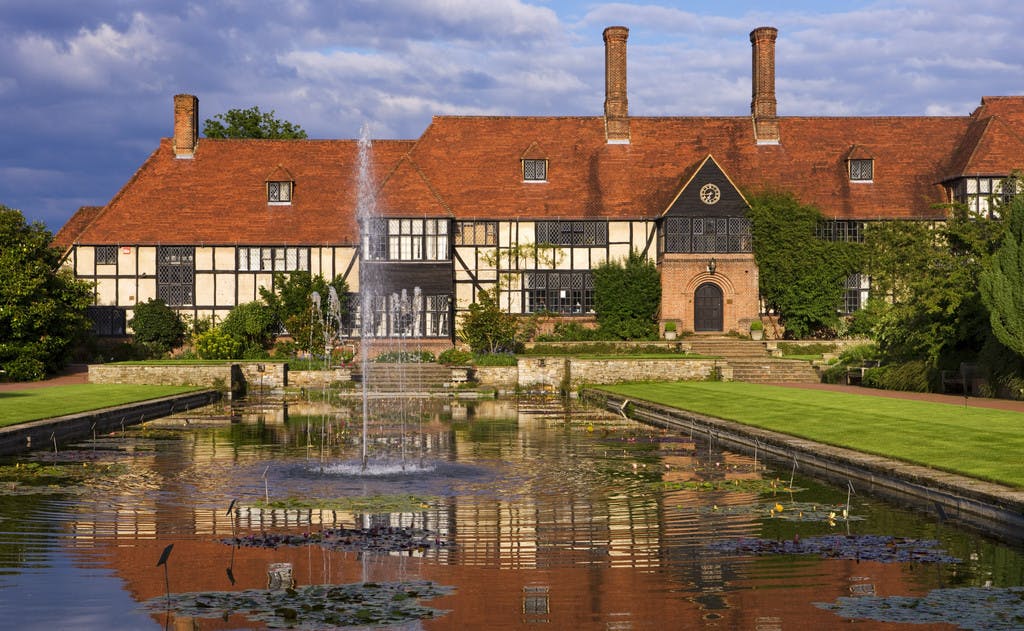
(469, 167)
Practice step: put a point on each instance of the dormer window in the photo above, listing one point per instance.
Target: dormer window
(279, 193)
(862, 170)
(535, 170)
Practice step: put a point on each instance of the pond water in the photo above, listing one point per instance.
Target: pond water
(498, 514)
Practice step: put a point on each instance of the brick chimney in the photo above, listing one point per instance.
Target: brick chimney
(762, 106)
(186, 125)
(616, 105)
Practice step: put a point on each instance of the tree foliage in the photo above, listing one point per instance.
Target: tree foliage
(929, 275)
(157, 326)
(627, 296)
(488, 329)
(312, 327)
(802, 277)
(42, 307)
(250, 123)
(1002, 281)
(253, 324)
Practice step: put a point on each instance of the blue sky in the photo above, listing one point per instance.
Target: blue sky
(86, 87)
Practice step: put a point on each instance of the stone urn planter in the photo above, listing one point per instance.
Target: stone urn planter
(670, 330)
(756, 330)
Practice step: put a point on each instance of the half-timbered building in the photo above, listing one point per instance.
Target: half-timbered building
(525, 205)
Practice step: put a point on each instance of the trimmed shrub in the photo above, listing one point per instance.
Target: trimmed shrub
(455, 357)
(157, 326)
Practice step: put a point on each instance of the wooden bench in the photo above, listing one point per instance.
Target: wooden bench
(967, 380)
(855, 374)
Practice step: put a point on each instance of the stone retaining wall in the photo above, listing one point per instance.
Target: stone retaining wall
(554, 373)
(41, 434)
(233, 377)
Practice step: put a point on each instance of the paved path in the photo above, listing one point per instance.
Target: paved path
(951, 399)
(75, 373)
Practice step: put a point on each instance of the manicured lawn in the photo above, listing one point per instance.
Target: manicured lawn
(19, 406)
(977, 442)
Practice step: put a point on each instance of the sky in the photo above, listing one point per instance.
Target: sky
(86, 87)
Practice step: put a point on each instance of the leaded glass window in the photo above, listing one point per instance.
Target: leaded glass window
(273, 259)
(175, 275)
(862, 170)
(107, 321)
(535, 170)
(402, 315)
(106, 254)
(984, 195)
(856, 296)
(476, 233)
(707, 234)
(407, 239)
(840, 230)
(279, 192)
(573, 233)
(570, 293)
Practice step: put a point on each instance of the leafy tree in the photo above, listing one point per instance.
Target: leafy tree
(42, 307)
(253, 324)
(802, 277)
(1002, 281)
(250, 123)
(157, 326)
(930, 273)
(216, 344)
(488, 329)
(627, 296)
(291, 302)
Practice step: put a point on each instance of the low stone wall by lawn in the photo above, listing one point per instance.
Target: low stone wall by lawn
(555, 373)
(63, 429)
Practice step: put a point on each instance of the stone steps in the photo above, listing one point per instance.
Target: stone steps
(728, 347)
(770, 370)
(404, 377)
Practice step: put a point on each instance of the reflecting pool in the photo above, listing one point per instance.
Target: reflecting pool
(504, 513)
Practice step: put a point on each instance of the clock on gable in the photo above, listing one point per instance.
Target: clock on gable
(710, 194)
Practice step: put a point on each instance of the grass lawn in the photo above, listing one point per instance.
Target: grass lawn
(977, 442)
(19, 406)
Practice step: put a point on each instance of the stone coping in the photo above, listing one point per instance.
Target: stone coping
(995, 509)
(41, 434)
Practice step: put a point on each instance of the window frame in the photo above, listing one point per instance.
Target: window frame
(529, 167)
(855, 169)
(558, 292)
(271, 258)
(470, 232)
(109, 256)
(274, 190)
(408, 239)
(572, 233)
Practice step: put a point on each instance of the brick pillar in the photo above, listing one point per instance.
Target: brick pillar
(762, 105)
(616, 105)
(186, 125)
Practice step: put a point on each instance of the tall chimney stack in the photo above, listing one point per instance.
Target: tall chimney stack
(186, 125)
(616, 105)
(762, 106)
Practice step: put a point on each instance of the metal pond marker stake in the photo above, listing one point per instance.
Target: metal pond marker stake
(792, 473)
(167, 581)
(53, 437)
(266, 485)
(234, 535)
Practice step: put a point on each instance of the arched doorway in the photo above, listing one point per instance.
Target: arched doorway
(707, 308)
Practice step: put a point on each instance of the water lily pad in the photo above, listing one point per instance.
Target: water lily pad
(884, 549)
(311, 607)
(975, 608)
(382, 539)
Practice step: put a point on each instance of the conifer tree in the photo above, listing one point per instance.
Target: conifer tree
(1002, 281)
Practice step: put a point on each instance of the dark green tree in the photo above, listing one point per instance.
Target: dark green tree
(42, 306)
(157, 326)
(250, 123)
(802, 277)
(626, 297)
(254, 325)
(488, 329)
(1002, 281)
(291, 302)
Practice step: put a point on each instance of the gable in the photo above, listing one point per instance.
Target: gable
(708, 193)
